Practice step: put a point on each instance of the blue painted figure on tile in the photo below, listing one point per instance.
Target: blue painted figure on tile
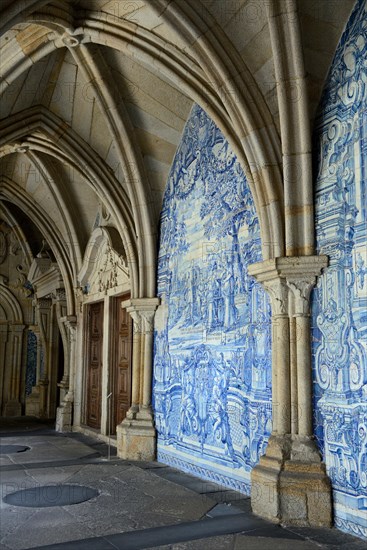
(212, 349)
(340, 299)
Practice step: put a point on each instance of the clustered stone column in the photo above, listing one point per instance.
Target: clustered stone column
(64, 413)
(43, 315)
(59, 300)
(13, 406)
(290, 483)
(136, 437)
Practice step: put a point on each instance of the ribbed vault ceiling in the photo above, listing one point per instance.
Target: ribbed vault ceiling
(95, 95)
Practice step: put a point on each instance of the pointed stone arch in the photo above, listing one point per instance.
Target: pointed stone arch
(64, 144)
(246, 122)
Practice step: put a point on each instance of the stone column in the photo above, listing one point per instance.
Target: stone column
(136, 362)
(61, 309)
(290, 484)
(43, 315)
(136, 435)
(13, 406)
(64, 413)
(145, 410)
(3, 344)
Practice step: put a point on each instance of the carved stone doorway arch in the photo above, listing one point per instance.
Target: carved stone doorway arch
(105, 289)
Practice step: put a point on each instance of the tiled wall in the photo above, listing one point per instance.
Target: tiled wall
(340, 300)
(212, 351)
(31, 370)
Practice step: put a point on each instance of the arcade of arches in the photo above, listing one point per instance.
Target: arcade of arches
(183, 223)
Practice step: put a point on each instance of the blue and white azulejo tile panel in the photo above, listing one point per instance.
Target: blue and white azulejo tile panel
(340, 299)
(212, 347)
(31, 370)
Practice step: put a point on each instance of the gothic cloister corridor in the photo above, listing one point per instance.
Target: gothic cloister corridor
(183, 261)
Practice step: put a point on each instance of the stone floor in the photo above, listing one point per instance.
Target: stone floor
(139, 505)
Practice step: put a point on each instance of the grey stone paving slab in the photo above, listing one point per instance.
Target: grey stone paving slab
(261, 543)
(12, 476)
(144, 465)
(5, 460)
(52, 474)
(46, 527)
(226, 542)
(61, 463)
(150, 538)
(12, 518)
(190, 482)
(226, 495)
(334, 538)
(223, 510)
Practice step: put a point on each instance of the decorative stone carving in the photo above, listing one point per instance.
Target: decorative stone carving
(105, 264)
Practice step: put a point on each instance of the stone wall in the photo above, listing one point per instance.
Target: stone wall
(16, 314)
(340, 300)
(212, 348)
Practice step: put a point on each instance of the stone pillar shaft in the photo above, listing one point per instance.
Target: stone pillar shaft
(136, 436)
(283, 396)
(148, 358)
(136, 362)
(64, 412)
(290, 483)
(304, 378)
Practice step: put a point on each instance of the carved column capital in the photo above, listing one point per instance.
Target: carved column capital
(59, 295)
(278, 293)
(301, 290)
(301, 275)
(148, 321)
(268, 275)
(43, 303)
(136, 317)
(142, 311)
(296, 273)
(71, 324)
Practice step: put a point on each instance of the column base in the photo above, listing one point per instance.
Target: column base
(288, 489)
(64, 415)
(136, 440)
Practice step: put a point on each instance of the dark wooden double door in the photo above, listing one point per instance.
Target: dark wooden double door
(120, 374)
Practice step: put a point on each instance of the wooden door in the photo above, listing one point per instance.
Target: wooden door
(94, 364)
(122, 335)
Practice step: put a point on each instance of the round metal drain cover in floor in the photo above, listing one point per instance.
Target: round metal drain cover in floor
(12, 449)
(51, 495)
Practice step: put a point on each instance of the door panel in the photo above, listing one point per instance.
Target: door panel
(122, 374)
(94, 364)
